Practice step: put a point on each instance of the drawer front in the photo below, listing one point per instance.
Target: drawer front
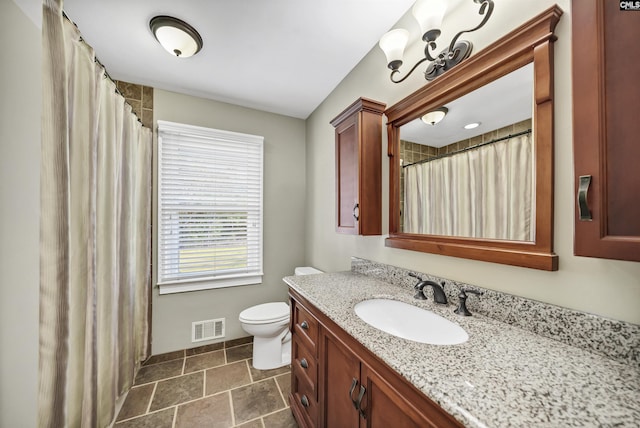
(306, 327)
(303, 399)
(305, 365)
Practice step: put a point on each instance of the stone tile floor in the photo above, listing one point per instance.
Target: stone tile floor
(211, 386)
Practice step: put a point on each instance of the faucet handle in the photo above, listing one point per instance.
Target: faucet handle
(462, 299)
(416, 276)
(419, 286)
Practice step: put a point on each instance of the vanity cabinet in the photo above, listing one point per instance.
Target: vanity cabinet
(352, 387)
(358, 151)
(606, 67)
(355, 395)
(304, 368)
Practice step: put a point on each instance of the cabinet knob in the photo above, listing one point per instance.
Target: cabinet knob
(304, 363)
(356, 215)
(304, 401)
(304, 325)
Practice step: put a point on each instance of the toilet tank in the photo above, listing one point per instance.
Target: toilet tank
(306, 270)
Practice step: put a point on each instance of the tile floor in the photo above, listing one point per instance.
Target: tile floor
(210, 386)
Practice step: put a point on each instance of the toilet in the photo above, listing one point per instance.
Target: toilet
(268, 323)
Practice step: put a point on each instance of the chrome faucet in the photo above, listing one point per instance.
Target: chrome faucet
(438, 291)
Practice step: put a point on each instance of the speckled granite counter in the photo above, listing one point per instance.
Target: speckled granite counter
(503, 376)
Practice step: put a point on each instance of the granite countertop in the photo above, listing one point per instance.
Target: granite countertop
(502, 376)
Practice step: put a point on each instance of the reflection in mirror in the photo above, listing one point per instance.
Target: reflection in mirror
(476, 183)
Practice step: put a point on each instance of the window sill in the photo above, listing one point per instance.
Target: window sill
(207, 284)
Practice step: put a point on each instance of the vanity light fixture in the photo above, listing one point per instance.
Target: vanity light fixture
(176, 36)
(472, 125)
(429, 14)
(435, 116)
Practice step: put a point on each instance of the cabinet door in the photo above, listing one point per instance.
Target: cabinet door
(347, 207)
(606, 66)
(359, 168)
(340, 368)
(384, 407)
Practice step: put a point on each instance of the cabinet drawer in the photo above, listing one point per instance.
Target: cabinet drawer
(304, 400)
(304, 364)
(306, 327)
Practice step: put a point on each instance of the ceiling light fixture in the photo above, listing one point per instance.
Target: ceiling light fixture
(429, 14)
(176, 36)
(472, 125)
(435, 116)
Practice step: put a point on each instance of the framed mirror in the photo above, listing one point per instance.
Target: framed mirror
(483, 193)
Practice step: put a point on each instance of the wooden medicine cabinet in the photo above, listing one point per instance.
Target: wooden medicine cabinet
(606, 66)
(359, 168)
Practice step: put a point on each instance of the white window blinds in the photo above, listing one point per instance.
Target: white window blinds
(209, 208)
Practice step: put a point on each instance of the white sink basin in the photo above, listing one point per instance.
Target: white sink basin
(410, 322)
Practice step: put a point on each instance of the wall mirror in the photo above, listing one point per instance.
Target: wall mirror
(484, 193)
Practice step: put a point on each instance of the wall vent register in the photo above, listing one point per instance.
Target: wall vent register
(207, 330)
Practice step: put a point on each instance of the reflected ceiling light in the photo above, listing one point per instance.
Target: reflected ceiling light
(176, 36)
(429, 14)
(435, 116)
(472, 125)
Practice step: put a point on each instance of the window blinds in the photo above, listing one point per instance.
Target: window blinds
(209, 207)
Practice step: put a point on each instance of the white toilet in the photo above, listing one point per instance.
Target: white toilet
(268, 323)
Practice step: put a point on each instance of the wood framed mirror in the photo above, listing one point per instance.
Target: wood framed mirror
(528, 51)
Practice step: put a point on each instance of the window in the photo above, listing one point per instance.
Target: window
(209, 208)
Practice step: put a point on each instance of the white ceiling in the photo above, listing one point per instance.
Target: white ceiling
(282, 56)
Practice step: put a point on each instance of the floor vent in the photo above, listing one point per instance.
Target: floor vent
(207, 330)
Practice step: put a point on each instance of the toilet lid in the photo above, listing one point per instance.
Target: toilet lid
(265, 313)
(305, 270)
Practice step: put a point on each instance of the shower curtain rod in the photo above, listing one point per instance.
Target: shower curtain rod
(495, 140)
(104, 69)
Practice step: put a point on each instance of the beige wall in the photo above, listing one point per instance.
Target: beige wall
(609, 288)
(605, 287)
(284, 196)
(19, 215)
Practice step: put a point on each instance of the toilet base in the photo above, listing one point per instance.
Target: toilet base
(269, 354)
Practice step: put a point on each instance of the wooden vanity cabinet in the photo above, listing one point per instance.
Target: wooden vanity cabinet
(354, 388)
(359, 168)
(606, 66)
(340, 372)
(304, 368)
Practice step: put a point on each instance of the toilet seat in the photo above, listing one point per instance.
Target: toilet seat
(265, 313)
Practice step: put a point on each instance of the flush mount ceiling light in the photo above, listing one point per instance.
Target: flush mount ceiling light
(472, 125)
(435, 116)
(429, 14)
(176, 36)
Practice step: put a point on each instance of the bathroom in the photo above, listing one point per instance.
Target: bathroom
(299, 205)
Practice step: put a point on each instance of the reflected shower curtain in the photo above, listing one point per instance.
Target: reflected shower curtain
(480, 193)
(94, 234)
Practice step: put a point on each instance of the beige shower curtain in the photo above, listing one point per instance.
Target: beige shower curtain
(480, 193)
(95, 234)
